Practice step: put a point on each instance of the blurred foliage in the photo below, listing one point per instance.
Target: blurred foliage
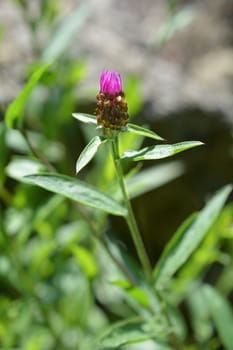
(66, 281)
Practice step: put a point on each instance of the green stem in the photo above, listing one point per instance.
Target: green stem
(82, 211)
(36, 152)
(130, 218)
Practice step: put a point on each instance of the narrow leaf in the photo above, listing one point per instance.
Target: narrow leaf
(64, 35)
(14, 114)
(159, 151)
(129, 332)
(85, 118)
(222, 315)
(78, 191)
(136, 129)
(154, 177)
(20, 167)
(187, 239)
(3, 149)
(89, 152)
(173, 243)
(86, 260)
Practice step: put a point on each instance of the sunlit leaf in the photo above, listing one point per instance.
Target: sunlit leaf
(139, 130)
(15, 111)
(86, 260)
(222, 315)
(188, 237)
(89, 151)
(78, 191)
(21, 166)
(132, 88)
(85, 118)
(159, 151)
(128, 332)
(136, 293)
(3, 149)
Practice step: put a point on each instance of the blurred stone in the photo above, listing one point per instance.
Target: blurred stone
(194, 69)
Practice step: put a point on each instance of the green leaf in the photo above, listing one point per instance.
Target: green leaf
(154, 177)
(188, 237)
(222, 315)
(127, 332)
(86, 260)
(62, 37)
(20, 167)
(175, 23)
(89, 152)
(3, 149)
(85, 118)
(132, 88)
(139, 130)
(54, 150)
(14, 114)
(159, 151)
(78, 191)
(136, 293)
(199, 313)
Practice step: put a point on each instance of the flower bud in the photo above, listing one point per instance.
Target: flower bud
(112, 110)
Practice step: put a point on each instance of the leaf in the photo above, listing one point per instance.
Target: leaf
(89, 151)
(63, 36)
(199, 313)
(137, 293)
(78, 191)
(188, 237)
(139, 130)
(127, 332)
(176, 22)
(86, 260)
(222, 315)
(54, 150)
(3, 157)
(154, 177)
(132, 88)
(20, 167)
(14, 114)
(159, 151)
(85, 118)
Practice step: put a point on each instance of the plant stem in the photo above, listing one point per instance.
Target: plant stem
(103, 243)
(36, 152)
(84, 214)
(173, 339)
(130, 218)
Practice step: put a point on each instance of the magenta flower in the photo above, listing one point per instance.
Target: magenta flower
(110, 83)
(112, 110)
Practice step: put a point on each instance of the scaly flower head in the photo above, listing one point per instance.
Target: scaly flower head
(112, 110)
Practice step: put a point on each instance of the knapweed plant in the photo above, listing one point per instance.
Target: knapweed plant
(80, 295)
(112, 120)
